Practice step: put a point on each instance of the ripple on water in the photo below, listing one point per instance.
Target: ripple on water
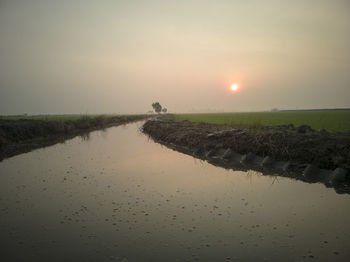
(121, 196)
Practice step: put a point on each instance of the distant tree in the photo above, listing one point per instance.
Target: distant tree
(164, 110)
(157, 107)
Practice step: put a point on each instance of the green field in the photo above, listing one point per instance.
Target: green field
(330, 120)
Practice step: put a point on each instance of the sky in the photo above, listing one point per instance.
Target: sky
(111, 56)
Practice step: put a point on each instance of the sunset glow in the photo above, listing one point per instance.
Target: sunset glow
(234, 87)
(207, 130)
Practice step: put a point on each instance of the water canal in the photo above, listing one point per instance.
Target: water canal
(118, 196)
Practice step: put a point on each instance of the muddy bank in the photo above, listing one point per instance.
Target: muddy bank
(20, 136)
(301, 153)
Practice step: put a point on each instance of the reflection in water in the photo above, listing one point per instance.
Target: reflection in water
(120, 196)
(85, 136)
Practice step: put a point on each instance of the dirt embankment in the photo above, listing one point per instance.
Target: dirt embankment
(301, 152)
(20, 136)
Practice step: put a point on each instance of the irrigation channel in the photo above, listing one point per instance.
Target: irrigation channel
(118, 196)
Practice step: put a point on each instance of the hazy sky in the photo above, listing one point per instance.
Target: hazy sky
(120, 56)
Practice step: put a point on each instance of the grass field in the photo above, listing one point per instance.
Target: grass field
(329, 120)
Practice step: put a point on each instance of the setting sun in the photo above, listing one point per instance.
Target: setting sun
(234, 87)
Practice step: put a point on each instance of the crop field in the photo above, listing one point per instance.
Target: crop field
(330, 120)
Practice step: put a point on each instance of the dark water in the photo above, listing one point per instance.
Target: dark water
(120, 197)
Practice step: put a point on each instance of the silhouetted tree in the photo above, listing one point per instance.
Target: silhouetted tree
(157, 107)
(164, 110)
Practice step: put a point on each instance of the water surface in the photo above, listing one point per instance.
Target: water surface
(118, 196)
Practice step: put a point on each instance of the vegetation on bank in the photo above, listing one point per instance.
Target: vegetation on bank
(15, 131)
(30, 132)
(273, 150)
(332, 121)
(71, 117)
